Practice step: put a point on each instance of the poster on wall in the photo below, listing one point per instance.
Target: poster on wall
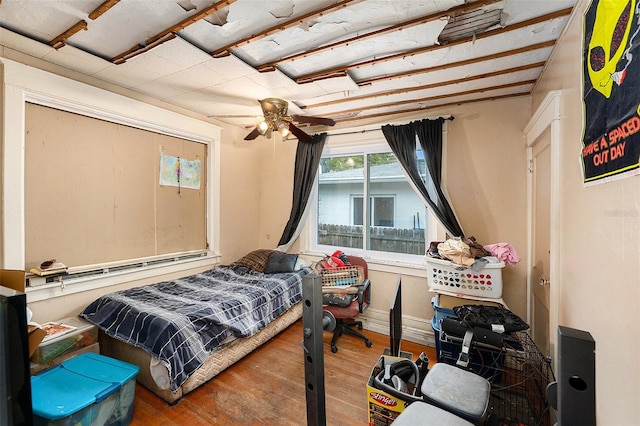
(179, 172)
(611, 91)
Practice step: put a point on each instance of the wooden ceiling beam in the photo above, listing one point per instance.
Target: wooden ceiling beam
(169, 33)
(100, 10)
(60, 40)
(418, 109)
(427, 86)
(529, 48)
(269, 66)
(345, 68)
(431, 98)
(225, 50)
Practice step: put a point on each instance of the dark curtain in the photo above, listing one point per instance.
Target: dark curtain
(402, 140)
(306, 169)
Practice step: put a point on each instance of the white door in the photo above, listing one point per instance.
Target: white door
(543, 134)
(541, 243)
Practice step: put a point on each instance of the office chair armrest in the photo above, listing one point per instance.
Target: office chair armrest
(364, 295)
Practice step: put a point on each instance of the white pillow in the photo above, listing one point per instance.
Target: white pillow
(301, 263)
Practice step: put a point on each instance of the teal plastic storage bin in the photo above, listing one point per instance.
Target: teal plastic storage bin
(89, 389)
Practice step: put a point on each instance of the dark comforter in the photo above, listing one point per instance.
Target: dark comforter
(180, 322)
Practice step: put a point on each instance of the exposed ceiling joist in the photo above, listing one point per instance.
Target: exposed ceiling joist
(427, 86)
(427, 108)
(431, 98)
(361, 37)
(225, 50)
(169, 33)
(343, 69)
(462, 63)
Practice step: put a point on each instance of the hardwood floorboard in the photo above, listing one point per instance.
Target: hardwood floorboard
(268, 386)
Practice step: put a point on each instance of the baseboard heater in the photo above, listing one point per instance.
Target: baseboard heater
(84, 272)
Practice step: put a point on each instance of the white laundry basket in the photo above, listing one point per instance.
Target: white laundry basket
(443, 275)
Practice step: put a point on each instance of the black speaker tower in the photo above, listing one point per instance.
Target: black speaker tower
(15, 374)
(574, 392)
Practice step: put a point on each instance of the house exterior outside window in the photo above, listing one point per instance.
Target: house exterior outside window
(381, 210)
(394, 221)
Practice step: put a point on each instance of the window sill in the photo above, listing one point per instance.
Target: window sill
(71, 285)
(414, 269)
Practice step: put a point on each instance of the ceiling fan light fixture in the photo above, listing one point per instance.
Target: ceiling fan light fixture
(276, 119)
(262, 127)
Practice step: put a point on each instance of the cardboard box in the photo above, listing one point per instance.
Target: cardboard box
(16, 280)
(383, 407)
(36, 334)
(13, 278)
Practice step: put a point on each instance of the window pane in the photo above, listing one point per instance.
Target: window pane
(398, 213)
(382, 211)
(341, 181)
(357, 211)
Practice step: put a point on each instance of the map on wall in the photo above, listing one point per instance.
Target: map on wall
(180, 172)
(611, 91)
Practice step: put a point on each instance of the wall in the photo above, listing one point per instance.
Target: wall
(488, 192)
(599, 250)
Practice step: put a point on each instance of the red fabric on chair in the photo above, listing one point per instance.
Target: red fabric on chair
(339, 312)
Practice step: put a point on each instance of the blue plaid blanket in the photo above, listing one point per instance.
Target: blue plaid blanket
(180, 322)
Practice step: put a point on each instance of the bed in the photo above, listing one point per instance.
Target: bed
(185, 331)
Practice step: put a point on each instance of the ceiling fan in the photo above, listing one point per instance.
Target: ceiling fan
(276, 119)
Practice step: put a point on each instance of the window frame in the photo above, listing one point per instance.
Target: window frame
(376, 143)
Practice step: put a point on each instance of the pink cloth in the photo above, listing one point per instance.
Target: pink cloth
(503, 251)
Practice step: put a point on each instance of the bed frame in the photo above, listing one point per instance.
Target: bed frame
(217, 362)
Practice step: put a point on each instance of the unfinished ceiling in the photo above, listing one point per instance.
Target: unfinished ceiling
(351, 60)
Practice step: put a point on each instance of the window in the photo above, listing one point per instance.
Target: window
(380, 207)
(78, 98)
(394, 221)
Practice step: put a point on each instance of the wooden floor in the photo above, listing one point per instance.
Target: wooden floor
(267, 387)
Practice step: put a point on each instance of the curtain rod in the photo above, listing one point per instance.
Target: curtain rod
(450, 118)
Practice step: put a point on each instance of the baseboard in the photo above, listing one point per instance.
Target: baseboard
(417, 330)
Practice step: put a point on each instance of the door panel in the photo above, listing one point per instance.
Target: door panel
(541, 243)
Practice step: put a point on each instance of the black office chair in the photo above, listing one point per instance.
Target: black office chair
(346, 306)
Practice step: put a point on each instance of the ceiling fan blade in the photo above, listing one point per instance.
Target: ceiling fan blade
(251, 136)
(314, 120)
(302, 136)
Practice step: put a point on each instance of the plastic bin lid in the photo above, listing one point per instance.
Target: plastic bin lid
(77, 383)
(102, 368)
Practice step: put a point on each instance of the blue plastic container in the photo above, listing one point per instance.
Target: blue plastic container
(440, 312)
(89, 389)
(484, 362)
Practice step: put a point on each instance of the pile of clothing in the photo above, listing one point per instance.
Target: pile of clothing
(468, 253)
